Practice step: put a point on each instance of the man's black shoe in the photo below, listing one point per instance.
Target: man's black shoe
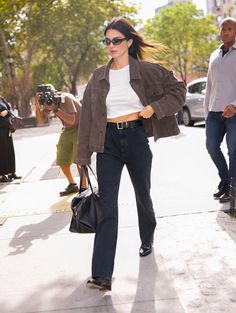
(99, 283)
(225, 198)
(145, 250)
(222, 188)
(71, 188)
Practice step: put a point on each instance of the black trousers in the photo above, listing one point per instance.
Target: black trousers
(7, 152)
(128, 147)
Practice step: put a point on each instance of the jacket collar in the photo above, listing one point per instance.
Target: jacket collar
(134, 67)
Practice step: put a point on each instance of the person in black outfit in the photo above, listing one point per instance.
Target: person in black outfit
(7, 155)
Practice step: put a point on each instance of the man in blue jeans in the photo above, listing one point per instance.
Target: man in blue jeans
(220, 108)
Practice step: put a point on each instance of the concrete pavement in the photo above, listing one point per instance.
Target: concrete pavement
(44, 267)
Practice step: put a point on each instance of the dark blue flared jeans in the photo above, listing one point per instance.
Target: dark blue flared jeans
(217, 127)
(128, 147)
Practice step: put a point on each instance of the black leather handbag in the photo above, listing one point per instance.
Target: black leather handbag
(15, 122)
(85, 206)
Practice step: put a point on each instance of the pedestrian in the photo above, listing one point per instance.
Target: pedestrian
(124, 103)
(220, 108)
(7, 155)
(68, 111)
(15, 110)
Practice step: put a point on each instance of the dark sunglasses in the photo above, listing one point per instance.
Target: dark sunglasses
(115, 41)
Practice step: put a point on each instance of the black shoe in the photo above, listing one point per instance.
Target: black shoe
(99, 283)
(222, 188)
(225, 198)
(71, 188)
(145, 250)
(14, 176)
(5, 179)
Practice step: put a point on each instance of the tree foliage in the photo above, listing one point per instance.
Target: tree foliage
(189, 37)
(52, 41)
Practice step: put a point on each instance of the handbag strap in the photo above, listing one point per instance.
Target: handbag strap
(89, 166)
(84, 172)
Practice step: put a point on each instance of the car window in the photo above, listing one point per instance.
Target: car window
(197, 88)
(203, 86)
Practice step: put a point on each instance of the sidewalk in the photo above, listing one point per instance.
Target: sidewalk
(44, 267)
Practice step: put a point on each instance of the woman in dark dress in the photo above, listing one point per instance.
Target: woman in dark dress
(7, 155)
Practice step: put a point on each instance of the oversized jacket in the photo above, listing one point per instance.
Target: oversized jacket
(154, 85)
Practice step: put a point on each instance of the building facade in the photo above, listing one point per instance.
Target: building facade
(221, 8)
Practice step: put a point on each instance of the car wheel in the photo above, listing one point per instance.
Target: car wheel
(187, 120)
(179, 117)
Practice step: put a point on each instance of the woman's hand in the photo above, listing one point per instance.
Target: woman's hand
(147, 112)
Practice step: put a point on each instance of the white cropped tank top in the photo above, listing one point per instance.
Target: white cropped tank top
(121, 98)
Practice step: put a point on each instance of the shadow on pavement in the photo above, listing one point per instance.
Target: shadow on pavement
(146, 285)
(25, 235)
(69, 294)
(64, 295)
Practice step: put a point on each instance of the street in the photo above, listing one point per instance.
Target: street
(44, 267)
(183, 176)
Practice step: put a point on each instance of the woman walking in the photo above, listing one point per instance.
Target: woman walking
(125, 102)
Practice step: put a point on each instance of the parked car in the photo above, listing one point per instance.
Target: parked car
(193, 109)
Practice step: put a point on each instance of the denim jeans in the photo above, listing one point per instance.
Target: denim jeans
(216, 128)
(128, 147)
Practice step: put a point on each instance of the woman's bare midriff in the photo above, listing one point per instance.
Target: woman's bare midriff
(124, 118)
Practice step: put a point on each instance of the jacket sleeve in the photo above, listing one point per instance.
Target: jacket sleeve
(83, 153)
(173, 99)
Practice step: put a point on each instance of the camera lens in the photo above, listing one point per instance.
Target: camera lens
(49, 101)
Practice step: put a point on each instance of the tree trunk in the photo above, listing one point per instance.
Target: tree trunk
(74, 86)
(24, 94)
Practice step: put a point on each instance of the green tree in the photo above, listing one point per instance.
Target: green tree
(56, 41)
(77, 50)
(23, 24)
(189, 37)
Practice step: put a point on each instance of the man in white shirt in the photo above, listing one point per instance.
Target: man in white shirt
(220, 108)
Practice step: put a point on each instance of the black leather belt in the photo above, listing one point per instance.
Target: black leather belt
(124, 125)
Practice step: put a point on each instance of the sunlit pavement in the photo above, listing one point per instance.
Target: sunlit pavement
(44, 267)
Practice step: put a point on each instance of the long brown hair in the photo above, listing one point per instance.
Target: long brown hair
(139, 48)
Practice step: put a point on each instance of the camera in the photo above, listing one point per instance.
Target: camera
(47, 96)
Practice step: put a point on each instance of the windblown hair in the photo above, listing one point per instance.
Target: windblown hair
(139, 48)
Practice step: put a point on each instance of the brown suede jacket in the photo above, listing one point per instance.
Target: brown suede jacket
(153, 84)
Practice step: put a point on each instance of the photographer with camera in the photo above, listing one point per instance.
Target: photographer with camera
(67, 108)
